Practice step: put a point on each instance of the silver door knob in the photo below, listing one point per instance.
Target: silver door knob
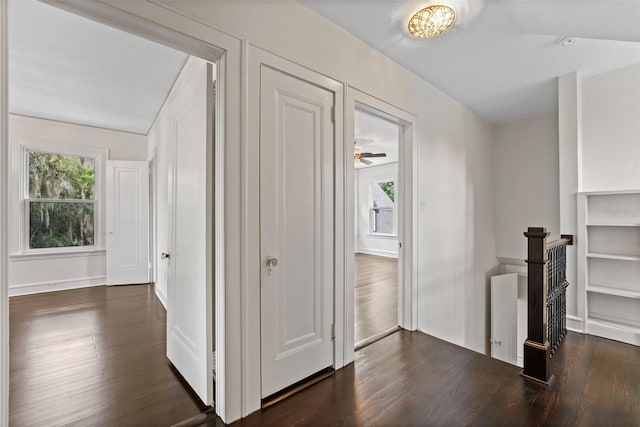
(271, 263)
(164, 255)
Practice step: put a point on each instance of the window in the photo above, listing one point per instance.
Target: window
(60, 200)
(383, 208)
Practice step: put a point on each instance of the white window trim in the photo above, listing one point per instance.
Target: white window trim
(99, 154)
(372, 233)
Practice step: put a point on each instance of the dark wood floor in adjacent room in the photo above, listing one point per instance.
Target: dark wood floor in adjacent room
(376, 295)
(93, 357)
(412, 379)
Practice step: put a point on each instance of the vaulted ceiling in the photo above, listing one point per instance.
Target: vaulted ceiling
(68, 68)
(504, 63)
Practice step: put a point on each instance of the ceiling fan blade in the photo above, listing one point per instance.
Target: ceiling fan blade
(603, 20)
(362, 155)
(366, 162)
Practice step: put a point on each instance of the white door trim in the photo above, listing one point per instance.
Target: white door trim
(4, 194)
(251, 216)
(160, 23)
(407, 222)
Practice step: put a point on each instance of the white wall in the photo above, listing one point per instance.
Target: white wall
(525, 182)
(47, 272)
(161, 140)
(611, 130)
(366, 242)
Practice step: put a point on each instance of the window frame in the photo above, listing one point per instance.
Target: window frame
(372, 209)
(99, 155)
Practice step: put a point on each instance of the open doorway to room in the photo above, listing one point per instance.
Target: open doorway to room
(111, 183)
(376, 208)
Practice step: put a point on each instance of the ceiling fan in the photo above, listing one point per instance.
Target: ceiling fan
(360, 157)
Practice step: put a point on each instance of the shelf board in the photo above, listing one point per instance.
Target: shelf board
(613, 225)
(613, 291)
(612, 256)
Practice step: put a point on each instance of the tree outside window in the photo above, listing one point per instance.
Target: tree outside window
(382, 207)
(60, 200)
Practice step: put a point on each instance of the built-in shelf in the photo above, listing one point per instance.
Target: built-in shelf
(617, 257)
(609, 263)
(613, 225)
(613, 291)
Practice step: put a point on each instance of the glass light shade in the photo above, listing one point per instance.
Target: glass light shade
(431, 21)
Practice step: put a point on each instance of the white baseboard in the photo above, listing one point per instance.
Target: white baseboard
(55, 285)
(161, 296)
(520, 360)
(574, 324)
(376, 252)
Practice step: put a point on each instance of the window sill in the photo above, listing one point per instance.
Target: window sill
(28, 256)
(383, 235)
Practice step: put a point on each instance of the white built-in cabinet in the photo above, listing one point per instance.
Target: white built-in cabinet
(609, 258)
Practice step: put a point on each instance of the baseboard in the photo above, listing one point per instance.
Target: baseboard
(520, 360)
(574, 324)
(376, 252)
(161, 296)
(55, 285)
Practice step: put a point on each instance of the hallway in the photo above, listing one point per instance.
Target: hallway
(414, 379)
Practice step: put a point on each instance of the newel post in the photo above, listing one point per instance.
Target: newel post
(536, 347)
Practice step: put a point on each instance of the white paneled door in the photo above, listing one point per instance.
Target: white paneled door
(504, 322)
(296, 229)
(189, 286)
(127, 222)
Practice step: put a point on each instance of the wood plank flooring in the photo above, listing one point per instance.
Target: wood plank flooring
(93, 357)
(412, 379)
(376, 295)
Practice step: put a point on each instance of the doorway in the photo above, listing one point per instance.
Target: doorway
(125, 145)
(362, 108)
(377, 208)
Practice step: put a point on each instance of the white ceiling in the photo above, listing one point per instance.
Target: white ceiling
(68, 68)
(375, 135)
(504, 63)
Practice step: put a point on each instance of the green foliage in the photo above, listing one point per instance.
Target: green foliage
(58, 177)
(389, 188)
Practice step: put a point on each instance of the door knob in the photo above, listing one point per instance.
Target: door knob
(164, 255)
(271, 263)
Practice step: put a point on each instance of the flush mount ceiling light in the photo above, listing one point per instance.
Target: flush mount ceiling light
(431, 20)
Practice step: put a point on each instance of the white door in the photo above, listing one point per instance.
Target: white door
(296, 229)
(127, 222)
(189, 286)
(504, 322)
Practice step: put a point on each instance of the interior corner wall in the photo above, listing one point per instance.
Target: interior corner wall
(44, 273)
(526, 183)
(610, 146)
(161, 142)
(365, 241)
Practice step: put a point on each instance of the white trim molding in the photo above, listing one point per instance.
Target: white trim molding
(4, 186)
(376, 252)
(56, 285)
(574, 324)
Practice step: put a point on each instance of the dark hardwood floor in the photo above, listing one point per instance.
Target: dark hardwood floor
(376, 295)
(93, 357)
(412, 379)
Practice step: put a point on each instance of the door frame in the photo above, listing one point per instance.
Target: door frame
(407, 221)
(4, 194)
(162, 24)
(259, 57)
(152, 161)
